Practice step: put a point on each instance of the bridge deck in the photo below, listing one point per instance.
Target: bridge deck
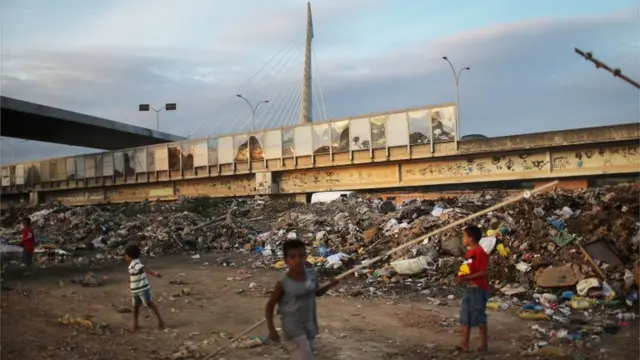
(150, 173)
(30, 121)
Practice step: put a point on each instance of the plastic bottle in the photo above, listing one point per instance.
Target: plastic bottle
(582, 303)
(526, 315)
(626, 316)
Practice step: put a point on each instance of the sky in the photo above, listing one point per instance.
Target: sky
(103, 58)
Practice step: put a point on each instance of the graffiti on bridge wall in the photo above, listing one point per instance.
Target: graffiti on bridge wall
(318, 179)
(595, 158)
(523, 162)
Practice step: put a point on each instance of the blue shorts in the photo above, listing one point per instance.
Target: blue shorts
(27, 258)
(473, 311)
(141, 298)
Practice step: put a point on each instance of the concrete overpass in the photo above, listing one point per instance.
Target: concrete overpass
(30, 121)
(390, 151)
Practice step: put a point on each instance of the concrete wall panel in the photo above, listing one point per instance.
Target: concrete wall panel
(340, 136)
(302, 141)
(524, 165)
(217, 187)
(273, 144)
(397, 130)
(226, 151)
(90, 166)
(212, 146)
(360, 133)
(338, 179)
(419, 126)
(603, 158)
(443, 124)
(75, 197)
(321, 138)
(140, 192)
(201, 153)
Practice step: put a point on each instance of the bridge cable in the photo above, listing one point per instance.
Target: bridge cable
(245, 109)
(269, 109)
(284, 103)
(250, 79)
(321, 93)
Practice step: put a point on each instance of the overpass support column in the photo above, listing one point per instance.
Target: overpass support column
(34, 198)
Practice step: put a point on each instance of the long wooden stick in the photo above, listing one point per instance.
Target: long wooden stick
(524, 195)
(254, 326)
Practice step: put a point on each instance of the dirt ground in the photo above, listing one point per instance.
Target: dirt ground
(225, 301)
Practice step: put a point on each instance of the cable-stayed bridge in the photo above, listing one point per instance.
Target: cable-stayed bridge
(288, 147)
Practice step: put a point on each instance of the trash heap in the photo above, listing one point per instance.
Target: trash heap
(562, 257)
(160, 229)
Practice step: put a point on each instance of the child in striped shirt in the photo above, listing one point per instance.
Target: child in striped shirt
(139, 285)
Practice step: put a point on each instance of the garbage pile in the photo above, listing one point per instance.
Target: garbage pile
(563, 257)
(531, 242)
(159, 229)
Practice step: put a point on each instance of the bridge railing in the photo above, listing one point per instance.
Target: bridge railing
(417, 126)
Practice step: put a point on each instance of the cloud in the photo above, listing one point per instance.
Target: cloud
(525, 77)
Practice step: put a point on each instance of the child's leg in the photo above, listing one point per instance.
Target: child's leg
(483, 338)
(465, 319)
(481, 310)
(146, 299)
(299, 348)
(137, 301)
(154, 308)
(136, 313)
(27, 259)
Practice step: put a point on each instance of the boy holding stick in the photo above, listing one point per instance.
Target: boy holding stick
(295, 296)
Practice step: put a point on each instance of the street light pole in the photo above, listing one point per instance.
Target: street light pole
(456, 78)
(253, 109)
(167, 107)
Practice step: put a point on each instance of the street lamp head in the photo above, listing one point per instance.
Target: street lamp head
(445, 58)
(266, 101)
(467, 68)
(238, 95)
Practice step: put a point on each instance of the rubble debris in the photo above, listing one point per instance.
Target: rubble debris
(562, 260)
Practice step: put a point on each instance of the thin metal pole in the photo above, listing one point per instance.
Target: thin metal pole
(157, 120)
(456, 80)
(457, 135)
(253, 119)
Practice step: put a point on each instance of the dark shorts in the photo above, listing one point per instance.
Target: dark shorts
(27, 258)
(473, 311)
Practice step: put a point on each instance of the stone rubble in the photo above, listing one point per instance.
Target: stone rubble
(533, 242)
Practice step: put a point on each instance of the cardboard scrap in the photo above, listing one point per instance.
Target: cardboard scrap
(566, 275)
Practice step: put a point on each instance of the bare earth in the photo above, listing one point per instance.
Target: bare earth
(226, 301)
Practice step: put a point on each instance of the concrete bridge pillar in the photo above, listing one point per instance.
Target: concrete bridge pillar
(303, 198)
(34, 198)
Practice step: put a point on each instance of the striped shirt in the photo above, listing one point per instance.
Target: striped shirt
(137, 277)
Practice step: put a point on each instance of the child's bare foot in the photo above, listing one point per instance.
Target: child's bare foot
(461, 348)
(161, 326)
(135, 328)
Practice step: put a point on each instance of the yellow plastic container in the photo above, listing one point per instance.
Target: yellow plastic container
(533, 316)
(464, 270)
(503, 251)
(582, 303)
